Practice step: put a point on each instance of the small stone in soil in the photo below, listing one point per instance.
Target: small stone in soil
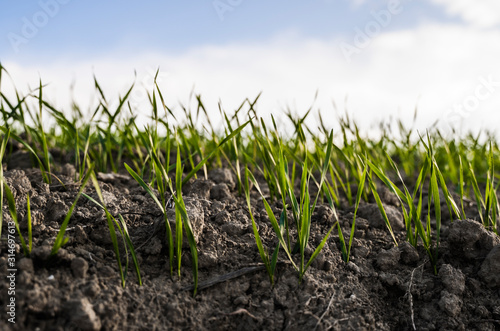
(453, 279)
(490, 269)
(201, 188)
(470, 239)
(26, 265)
(220, 192)
(83, 315)
(388, 259)
(352, 267)
(389, 279)
(409, 254)
(107, 271)
(41, 253)
(450, 303)
(225, 176)
(241, 300)
(92, 290)
(79, 267)
(233, 228)
(361, 251)
(371, 212)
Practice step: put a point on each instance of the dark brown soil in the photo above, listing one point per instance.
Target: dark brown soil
(383, 287)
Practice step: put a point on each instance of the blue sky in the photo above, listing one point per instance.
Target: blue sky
(383, 57)
(92, 28)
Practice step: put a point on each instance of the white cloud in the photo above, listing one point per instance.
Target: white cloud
(481, 13)
(437, 65)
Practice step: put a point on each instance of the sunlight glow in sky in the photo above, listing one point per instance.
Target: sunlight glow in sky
(376, 59)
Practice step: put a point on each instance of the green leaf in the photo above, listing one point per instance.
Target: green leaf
(144, 186)
(361, 186)
(229, 137)
(381, 208)
(3, 146)
(319, 248)
(111, 227)
(263, 254)
(13, 213)
(59, 242)
(28, 212)
(131, 248)
(179, 205)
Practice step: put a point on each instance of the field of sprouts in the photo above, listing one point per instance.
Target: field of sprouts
(180, 224)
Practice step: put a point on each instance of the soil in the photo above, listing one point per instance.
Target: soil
(383, 287)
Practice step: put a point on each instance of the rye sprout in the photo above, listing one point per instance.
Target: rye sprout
(3, 147)
(422, 173)
(122, 228)
(302, 210)
(269, 263)
(60, 239)
(182, 218)
(346, 249)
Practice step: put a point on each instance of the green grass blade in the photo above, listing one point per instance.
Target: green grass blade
(28, 147)
(144, 186)
(179, 205)
(178, 216)
(477, 193)
(461, 184)
(381, 207)
(272, 219)
(30, 234)
(437, 210)
(263, 254)
(131, 249)
(202, 162)
(361, 186)
(13, 213)
(60, 240)
(3, 147)
(319, 248)
(111, 227)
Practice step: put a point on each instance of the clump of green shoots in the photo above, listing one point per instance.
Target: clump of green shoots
(346, 249)
(487, 205)
(3, 147)
(5, 189)
(269, 263)
(60, 238)
(289, 164)
(122, 228)
(163, 184)
(415, 228)
(182, 219)
(302, 210)
(13, 214)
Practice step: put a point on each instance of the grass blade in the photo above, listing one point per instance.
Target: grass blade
(60, 239)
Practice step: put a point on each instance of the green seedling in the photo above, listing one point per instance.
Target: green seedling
(45, 174)
(182, 220)
(122, 228)
(302, 209)
(420, 172)
(28, 217)
(3, 147)
(162, 206)
(346, 249)
(127, 242)
(269, 263)
(13, 214)
(61, 239)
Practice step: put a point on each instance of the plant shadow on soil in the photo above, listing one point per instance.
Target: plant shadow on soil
(382, 288)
